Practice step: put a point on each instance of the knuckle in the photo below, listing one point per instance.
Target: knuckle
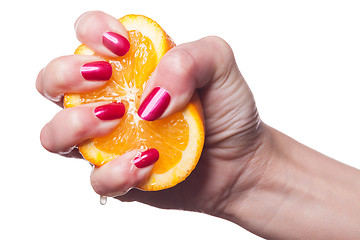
(86, 22)
(181, 63)
(60, 76)
(91, 15)
(57, 71)
(45, 139)
(79, 126)
(53, 78)
(221, 46)
(38, 83)
(97, 186)
(119, 181)
(225, 59)
(109, 181)
(218, 43)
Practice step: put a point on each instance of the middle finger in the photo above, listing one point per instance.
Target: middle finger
(72, 74)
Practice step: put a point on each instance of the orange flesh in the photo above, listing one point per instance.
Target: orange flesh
(169, 136)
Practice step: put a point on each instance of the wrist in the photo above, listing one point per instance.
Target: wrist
(250, 204)
(298, 192)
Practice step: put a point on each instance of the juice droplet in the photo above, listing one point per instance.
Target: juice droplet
(103, 200)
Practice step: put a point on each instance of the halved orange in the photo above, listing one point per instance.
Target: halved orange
(178, 138)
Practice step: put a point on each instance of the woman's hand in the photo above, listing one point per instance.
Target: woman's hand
(234, 132)
(248, 173)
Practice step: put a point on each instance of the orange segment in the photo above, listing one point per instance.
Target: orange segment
(178, 138)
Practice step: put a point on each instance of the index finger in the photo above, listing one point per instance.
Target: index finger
(102, 33)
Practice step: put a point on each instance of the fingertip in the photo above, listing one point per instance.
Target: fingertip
(38, 81)
(155, 104)
(71, 126)
(146, 158)
(45, 140)
(110, 111)
(102, 33)
(96, 71)
(116, 43)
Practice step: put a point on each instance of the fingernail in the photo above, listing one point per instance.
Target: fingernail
(110, 111)
(116, 43)
(146, 158)
(154, 104)
(98, 71)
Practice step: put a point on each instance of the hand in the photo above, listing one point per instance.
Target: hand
(249, 173)
(233, 128)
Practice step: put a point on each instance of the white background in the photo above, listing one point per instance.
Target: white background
(301, 60)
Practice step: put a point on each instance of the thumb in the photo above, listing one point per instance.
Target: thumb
(180, 72)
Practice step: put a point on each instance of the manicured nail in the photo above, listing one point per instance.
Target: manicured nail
(154, 104)
(98, 71)
(116, 43)
(146, 158)
(110, 111)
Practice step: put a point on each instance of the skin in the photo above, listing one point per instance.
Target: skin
(249, 173)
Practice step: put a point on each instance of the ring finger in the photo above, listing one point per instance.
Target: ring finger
(73, 125)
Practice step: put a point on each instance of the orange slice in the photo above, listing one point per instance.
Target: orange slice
(178, 138)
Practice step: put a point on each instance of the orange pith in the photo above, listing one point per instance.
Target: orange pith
(170, 136)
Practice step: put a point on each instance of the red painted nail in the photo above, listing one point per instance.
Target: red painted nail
(110, 111)
(146, 158)
(100, 71)
(154, 104)
(116, 43)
